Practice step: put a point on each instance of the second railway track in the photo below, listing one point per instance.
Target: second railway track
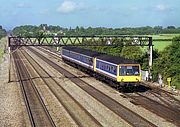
(37, 111)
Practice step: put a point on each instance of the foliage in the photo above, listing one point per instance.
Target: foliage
(167, 64)
(2, 32)
(2, 41)
(132, 52)
(143, 60)
(30, 30)
(2, 47)
(112, 50)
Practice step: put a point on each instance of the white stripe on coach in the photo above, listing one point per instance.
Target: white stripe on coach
(78, 61)
(106, 73)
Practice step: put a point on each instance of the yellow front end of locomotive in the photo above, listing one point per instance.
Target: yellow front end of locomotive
(126, 77)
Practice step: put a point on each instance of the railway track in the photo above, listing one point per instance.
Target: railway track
(37, 111)
(169, 96)
(169, 110)
(167, 99)
(51, 53)
(159, 91)
(168, 113)
(131, 117)
(80, 115)
(167, 103)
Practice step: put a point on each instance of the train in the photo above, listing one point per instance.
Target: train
(117, 70)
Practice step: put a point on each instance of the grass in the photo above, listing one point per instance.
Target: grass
(2, 47)
(164, 36)
(160, 45)
(178, 86)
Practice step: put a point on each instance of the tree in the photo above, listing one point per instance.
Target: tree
(2, 32)
(30, 30)
(144, 60)
(167, 64)
(132, 52)
(158, 29)
(171, 27)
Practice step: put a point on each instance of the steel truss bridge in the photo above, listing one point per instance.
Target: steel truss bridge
(104, 40)
(80, 40)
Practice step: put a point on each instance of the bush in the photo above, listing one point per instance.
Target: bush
(167, 64)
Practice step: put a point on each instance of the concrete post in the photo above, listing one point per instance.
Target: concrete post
(57, 48)
(150, 57)
(9, 57)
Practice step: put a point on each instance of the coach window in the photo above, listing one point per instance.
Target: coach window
(91, 61)
(111, 69)
(136, 70)
(122, 70)
(108, 67)
(129, 70)
(87, 60)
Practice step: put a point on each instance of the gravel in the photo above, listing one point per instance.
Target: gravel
(12, 111)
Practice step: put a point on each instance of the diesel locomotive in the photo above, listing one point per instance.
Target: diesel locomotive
(118, 70)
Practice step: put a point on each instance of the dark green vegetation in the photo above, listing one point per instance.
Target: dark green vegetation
(2, 41)
(166, 58)
(43, 29)
(28, 30)
(168, 63)
(2, 32)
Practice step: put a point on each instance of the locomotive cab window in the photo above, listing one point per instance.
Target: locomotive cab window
(129, 70)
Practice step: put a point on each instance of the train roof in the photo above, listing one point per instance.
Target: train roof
(116, 59)
(82, 50)
(101, 56)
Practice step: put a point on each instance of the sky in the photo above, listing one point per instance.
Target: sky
(93, 13)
